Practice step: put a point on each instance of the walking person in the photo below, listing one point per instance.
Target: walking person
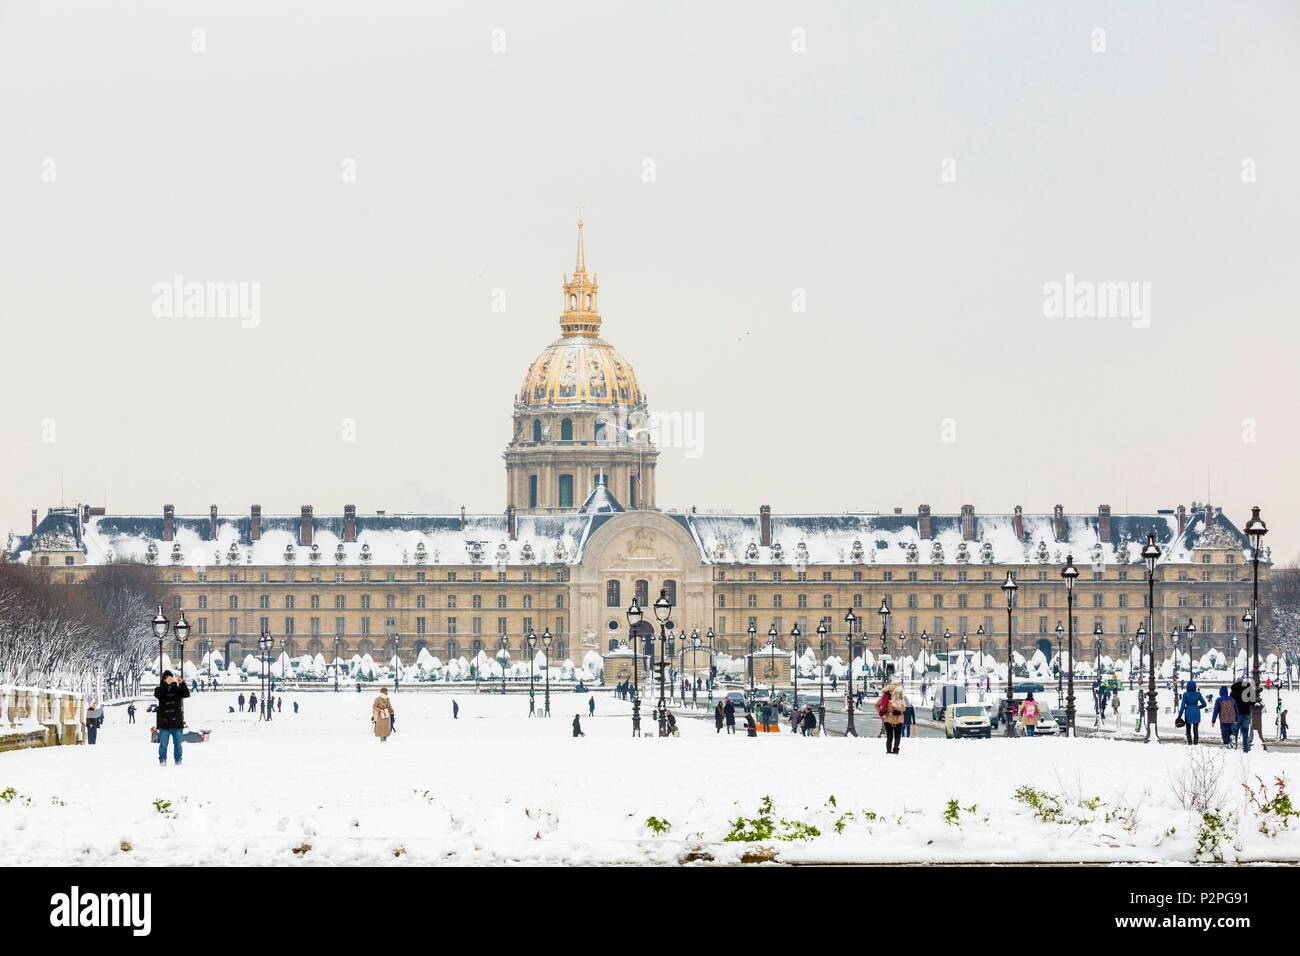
(295, 707)
(171, 694)
(455, 710)
(279, 704)
(381, 712)
(591, 706)
(241, 702)
(252, 703)
(1114, 706)
(1239, 693)
(94, 718)
(1281, 725)
(1225, 712)
(577, 726)
(891, 708)
(729, 715)
(718, 718)
(130, 713)
(1029, 714)
(1189, 709)
(909, 718)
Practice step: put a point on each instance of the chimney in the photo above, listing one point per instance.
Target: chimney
(765, 526)
(169, 522)
(33, 521)
(304, 527)
(85, 513)
(255, 523)
(1058, 523)
(1182, 520)
(923, 521)
(1209, 517)
(512, 524)
(1018, 522)
(898, 511)
(462, 517)
(1103, 523)
(968, 522)
(212, 523)
(349, 523)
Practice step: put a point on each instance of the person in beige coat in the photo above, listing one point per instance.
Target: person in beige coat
(891, 707)
(382, 713)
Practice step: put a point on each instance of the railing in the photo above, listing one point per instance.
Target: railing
(40, 717)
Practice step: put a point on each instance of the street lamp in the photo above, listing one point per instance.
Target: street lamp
(1191, 649)
(546, 647)
(1151, 554)
(1009, 587)
(160, 628)
(821, 684)
(965, 660)
(532, 652)
(503, 658)
(182, 631)
(1234, 647)
(1096, 649)
(696, 643)
(1255, 530)
(851, 619)
(397, 662)
(264, 649)
(662, 609)
(634, 616)
(752, 631)
(794, 637)
(947, 644)
(1070, 574)
(337, 640)
(709, 683)
(925, 658)
(1141, 643)
(1060, 665)
(979, 634)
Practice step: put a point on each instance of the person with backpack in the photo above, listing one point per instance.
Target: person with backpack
(1029, 714)
(1238, 694)
(1189, 709)
(1225, 714)
(891, 707)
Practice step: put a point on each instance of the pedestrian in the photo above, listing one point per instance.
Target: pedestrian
(809, 721)
(381, 712)
(591, 706)
(130, 713)
(1114, 706)
(279, 704)
(891, 707)
(171, 694)
(577, 726)
(1029, 714)
(729, 715)
(1238, 693)
(751, 728)
(241, 701)
(1281, 725)
(94, 718)
(455, 710)
(672, 725)
(1225, 712)
(718, 718)
(252, 703)
(909, 717)
(295, 707)
(1189, 709)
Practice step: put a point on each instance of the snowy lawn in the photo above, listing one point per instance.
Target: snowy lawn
(497, 787)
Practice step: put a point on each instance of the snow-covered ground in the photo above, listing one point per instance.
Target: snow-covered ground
(496, 787)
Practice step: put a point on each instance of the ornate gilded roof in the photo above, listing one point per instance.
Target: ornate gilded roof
(580, 367)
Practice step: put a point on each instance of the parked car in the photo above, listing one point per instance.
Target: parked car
(967, 720)
(737, 699)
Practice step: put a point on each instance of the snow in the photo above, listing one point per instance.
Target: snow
(496, 786)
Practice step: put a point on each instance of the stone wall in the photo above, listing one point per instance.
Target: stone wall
(40, 717)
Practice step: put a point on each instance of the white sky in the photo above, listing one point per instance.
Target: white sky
(775, 171)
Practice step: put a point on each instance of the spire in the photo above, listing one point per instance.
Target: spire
(580, 316)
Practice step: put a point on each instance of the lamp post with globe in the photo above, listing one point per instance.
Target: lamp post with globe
(1009, 587)
(1151, 554)
(634, 618)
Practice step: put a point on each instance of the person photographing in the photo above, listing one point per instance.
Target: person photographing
(171, 694)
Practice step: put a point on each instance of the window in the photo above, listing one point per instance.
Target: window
(315, 602)
(670, 587)
(528, 601)
(451, 600)
(365, 602)
(722, 600)
(501, 600)
(203, 601)
(389, 601)
(826, 600)
(776, 600)
(753, 600)
(340, 602)
(365, 627)
(234, 603)
(566, 491)
(566, 430)
(288, 626)
(419, 625)
(938, 600)
(559, 600)
(315, 627)
(421, 601)
(642, 587)
(537, 433)
(532, 491)
(477, 601)
(288, 602)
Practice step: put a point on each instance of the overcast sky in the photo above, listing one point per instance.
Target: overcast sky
(911, 175)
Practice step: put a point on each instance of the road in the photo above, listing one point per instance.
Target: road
(865, 721)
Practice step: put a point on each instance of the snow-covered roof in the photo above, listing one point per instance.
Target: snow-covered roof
(417, 539)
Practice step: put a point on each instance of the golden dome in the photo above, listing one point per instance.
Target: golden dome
(580, 368)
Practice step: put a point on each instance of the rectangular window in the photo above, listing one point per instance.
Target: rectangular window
(338, 626)
(288, 627)
(532, 491)
(315, 627)
(233, 624)
(365, 627)
(419, 625)
(451, 626)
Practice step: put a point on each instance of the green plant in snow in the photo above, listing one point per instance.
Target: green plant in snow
(1211, 835)
(656, 826)
(1276, 810)
(1046, 806)
(163, 806)
(766, 827)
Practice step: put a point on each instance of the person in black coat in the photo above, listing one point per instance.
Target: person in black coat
(241, 701)
(577, 727)
(729, 716)
(171, 694)
(130, 713)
